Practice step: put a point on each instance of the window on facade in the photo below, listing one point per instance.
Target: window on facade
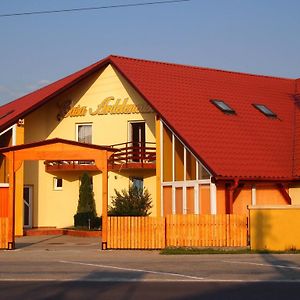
(57, 184)
(179, 160)
(265, 110)
(84, 133)
(190, 166)
(202, 173)
(137, 182)
(138, 139)
(225, 108)
(167, 154)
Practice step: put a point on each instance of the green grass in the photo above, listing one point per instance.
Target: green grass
(193, 251)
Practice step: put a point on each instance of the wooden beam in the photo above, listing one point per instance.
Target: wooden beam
(228, 198)
(284, 193)
(237, 191)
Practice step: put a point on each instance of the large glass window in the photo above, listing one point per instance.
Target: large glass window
(84, 133)
(190, 166)
(179, 160)
(167, 154)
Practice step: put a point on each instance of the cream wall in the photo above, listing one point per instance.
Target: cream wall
(56, 208)
(294, 193)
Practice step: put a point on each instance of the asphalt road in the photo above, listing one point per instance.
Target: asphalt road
(147, 290)
(75, 268)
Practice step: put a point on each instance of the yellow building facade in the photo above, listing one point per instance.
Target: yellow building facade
(55, 206)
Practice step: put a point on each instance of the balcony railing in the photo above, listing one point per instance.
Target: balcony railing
(70, 165)
(133, 155)
(128, 156)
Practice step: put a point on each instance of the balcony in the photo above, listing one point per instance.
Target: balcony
(70, 165)
(128, 156)
(133, 156)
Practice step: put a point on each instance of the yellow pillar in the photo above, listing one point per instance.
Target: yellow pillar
(11, 203)
(158, 166)
(104, 203)
(19, 186)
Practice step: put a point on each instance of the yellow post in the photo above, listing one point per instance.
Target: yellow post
(11, 203)
(19, 180)
(158, 167)
(104, 203)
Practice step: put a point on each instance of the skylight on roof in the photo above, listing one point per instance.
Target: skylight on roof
(225, 108)
(6, 114)
(265, 110)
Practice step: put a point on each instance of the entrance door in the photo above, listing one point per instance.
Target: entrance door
(138, 140)
(27, 196)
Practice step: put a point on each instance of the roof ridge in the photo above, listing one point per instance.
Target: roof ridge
(200, 67)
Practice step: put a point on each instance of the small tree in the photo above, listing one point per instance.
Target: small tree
(134, 202)
(86, 215)
(86, 202)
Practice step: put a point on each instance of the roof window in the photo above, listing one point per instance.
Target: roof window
(6, 114)
(225, 108)
(265, 110)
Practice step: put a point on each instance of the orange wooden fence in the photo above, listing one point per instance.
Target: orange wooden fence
(3, 217)
(136, 233)
(177, 230)
(206, 230)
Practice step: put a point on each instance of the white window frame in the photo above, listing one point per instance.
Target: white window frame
(55, 187)
(83, 124)
(129, 128)
(185, 183)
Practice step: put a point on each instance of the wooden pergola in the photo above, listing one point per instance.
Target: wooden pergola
(56, 149)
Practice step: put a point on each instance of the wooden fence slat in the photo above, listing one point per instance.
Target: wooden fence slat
(173, 230)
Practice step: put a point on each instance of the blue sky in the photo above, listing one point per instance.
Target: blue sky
(257, 36)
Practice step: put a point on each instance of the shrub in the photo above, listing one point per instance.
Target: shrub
(86, 210)
(134, 202)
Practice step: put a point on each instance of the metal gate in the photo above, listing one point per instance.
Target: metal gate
(4, 217)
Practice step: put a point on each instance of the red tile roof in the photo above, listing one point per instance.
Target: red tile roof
(245, 145)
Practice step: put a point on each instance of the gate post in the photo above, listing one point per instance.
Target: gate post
(11, 202)
(104, 204)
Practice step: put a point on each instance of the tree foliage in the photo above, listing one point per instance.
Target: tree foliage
(86, 215)
(131, 202)
(86, 202)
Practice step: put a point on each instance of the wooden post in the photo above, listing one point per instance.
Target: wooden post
(104, 203)
(228, 199)
(11, 203)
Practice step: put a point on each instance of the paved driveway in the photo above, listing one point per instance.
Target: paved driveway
(76, 258)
